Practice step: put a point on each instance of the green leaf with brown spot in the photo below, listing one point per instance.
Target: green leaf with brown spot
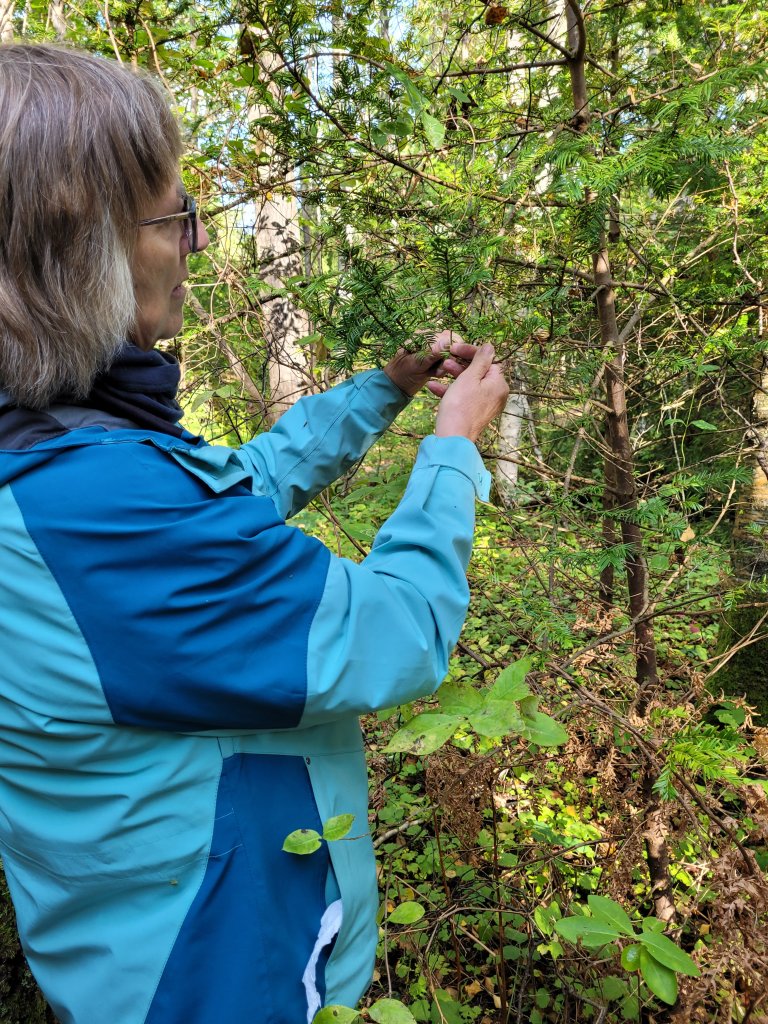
(302, 841)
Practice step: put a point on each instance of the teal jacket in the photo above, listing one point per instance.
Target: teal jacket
(181, 676)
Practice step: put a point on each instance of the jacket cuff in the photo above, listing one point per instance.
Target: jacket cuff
(457, 453)
(381, 392)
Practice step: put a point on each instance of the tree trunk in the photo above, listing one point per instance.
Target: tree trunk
(511, 423)
(58, 18)
(6, 21)
(620, 479)
(620, 474)
(610, 534)
(743, 639)
(278, 241)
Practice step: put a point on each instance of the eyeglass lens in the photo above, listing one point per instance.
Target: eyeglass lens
(190, 224)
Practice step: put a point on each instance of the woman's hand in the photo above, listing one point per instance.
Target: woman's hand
(447, 356)
(470, 403)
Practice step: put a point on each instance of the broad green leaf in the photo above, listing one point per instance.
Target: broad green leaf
(630, 1008)
(668, 953)
(445, 1009)
(200, 399)
(630, 957)
(407, 913)
(544, 731)
(459, 94)
(703, 425)
(613, 987)
(544, 920)
(391, 1011)
(336, 1015)
(510, 684)
(337, 827)
(402, 126)
(433, 129)
(730, 715)
(302, 841)
(528, 706)
(604, 909)
(416, 97)
(659, 979)
(591, 932)
(457, 698)
(497, 718)
(423, 734)
(653, 924)
(553, 947)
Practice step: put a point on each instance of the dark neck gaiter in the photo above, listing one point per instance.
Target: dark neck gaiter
(141, 386)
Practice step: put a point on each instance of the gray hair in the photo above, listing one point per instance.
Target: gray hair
(86, 146)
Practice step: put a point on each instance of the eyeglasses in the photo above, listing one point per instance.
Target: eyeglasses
(189, 217)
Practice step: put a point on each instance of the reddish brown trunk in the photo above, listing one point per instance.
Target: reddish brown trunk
(621, 489)
(620, 477)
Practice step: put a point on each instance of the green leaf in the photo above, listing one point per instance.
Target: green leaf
(336, 1015)
(604, 909)
(458, 698)
(391, 1011)
(668, 953)
(630, 1008)
(544, 920)
(497, 718)
(528, 706)
(728, 714)
(416, 97)
(703, 425)
(402, 126)
(433, 129)
(591, 932)
(510, 684)
(200, 399)
(543, 730)
(613, 988)
(445, 1009)
(659, 979)
(653, 924)
(407, 913)
(630, 957)
(554, 949)
(337, 827)
(423, 734)
(302, 841)
(459, 94)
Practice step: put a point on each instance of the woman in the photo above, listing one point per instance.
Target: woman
(181, 672)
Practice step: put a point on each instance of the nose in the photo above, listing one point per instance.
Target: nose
(203, 238)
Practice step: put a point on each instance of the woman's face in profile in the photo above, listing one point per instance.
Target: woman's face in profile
(160, 270)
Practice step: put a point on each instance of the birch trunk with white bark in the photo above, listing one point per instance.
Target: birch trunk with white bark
(511, 424)
(278, 242)
(58, 18)
(6, 21)
(278, 239)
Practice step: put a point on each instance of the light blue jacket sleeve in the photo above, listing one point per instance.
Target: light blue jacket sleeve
(385, 627)
(320, 438)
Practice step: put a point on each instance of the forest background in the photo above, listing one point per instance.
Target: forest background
(576, 827)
